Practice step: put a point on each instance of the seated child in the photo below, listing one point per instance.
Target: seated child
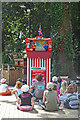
(4, 90)
(55, 89)
(17, 89)
(63, 93)
(25, 99)
(59, 80)
(75, 87)
(33, 82)
(63, 87)
(39, 87)
(71, 100)
(50, 98)
(54, 79)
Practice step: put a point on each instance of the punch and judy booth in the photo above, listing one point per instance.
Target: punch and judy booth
(39, 52)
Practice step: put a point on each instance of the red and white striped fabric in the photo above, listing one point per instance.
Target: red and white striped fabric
(38, 62)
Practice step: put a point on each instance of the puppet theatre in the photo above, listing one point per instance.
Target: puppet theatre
(39, 52)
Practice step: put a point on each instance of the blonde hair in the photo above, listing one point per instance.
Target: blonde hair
(18, 84)
(63, 87)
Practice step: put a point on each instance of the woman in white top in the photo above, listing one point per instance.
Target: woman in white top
(4, 90)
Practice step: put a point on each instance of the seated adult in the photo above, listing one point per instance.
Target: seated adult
(4, 90)
(39, 87)
(50, 100)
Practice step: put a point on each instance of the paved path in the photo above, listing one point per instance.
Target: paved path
(8, 110)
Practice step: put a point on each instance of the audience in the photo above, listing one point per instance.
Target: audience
(39, 87)
(17, 89)
(55, 89)
(71, 100)
(25, 99)
(75, 87)
(33, 90)
(50, 100)
(54, 79)
(59, 80)
(63, 87)
(4, 90)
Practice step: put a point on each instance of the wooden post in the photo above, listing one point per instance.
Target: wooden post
(2, 71)
(9, 72)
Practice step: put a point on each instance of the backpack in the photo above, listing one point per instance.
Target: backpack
(73, 101)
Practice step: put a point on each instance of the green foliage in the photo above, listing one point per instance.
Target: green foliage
(75, 22)
(63, 41)
(13, 23)
(6, 59)
(52, 17)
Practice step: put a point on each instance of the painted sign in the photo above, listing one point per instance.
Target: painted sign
(38, 70)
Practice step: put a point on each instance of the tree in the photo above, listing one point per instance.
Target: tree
(75, 20)
(63, 52)
(54, 18)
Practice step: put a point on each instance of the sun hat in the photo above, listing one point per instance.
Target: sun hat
(3, 80)
(54, 78)
(50, 85)
(25, 88)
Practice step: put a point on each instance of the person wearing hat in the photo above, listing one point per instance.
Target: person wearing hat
(25, 99)
(4, 90)
(50, 99)
(54, 79)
